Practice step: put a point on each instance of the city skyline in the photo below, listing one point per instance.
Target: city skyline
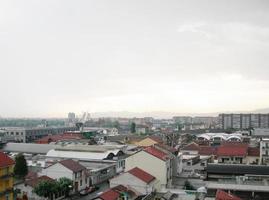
(142, 57)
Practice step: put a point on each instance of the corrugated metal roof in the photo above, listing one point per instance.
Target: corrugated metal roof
(29, 148)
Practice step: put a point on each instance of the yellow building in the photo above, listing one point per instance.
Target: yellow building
(149, 141)
(6, 177)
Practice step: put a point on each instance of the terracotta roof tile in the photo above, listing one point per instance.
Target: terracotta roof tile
(253, 151)
(35, 181)
(156, 139)
(141, 174)
(232, 150)
(110, 195)
(157, 153)
(221, 195)
(207, 150)
(5, 160)
(191, 147)
(72, 165)
(166, 147)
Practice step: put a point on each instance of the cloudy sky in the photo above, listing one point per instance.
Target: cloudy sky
(189, 56)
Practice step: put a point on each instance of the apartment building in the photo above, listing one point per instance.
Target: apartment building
(22, 134)
(243, 121)
(6, 177)
(264, 151)
(149, 157)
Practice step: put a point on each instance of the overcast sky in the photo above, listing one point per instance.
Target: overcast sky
(189, 56)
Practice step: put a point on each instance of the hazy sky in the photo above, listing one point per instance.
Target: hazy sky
(139, 56)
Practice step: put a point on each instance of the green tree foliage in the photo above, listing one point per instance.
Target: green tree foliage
(188, 186)
(64, 185)
(20, 169)
(133, 127)
(50, 188)
(46, 188)
(116, 124)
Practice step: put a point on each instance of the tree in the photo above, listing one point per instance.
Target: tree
(116, 124)
(133, 127)
(46, 189)
(188, 186)
(64, 185)
(50, 188)
(20, 169)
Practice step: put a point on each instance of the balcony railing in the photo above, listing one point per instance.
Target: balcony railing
(8, 175)
(6, 191)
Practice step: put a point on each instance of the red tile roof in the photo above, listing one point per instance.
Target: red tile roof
(166, 147)
(156, 152)
(232, 150)
(141, 174)
(110, 195)
(114, 193)
(58, 137)
(5, 160)
(191, 147)
(221, 195)
(156, 139)
(36, 181)
(31, 175)
(72, 165)
(207, 150)
(254, 151)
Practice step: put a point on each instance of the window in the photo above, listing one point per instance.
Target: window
(80, 182)
(86, 180)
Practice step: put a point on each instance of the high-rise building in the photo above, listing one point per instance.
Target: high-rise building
(244, 121)
(71, 117)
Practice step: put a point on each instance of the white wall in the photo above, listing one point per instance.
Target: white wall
(57, 171)
(150, 164)
(138, 185)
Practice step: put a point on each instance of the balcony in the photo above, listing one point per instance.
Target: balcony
(6, 176)
(6, 191)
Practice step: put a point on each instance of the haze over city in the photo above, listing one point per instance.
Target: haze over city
(136, 56)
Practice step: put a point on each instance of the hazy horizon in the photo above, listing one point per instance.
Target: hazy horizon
(176, 56)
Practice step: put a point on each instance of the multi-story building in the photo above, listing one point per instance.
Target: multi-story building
(70, 169)
(6, 177)
(244, 121)
(148, 158)
(22, 134)
(183, 119)
(264, 151)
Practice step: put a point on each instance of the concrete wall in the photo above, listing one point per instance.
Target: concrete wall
(151, 164)
(57, 171)
(129, 180)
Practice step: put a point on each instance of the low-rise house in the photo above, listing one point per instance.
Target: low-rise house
(119, 192)
(99, 172)
(253, 156)
(232, 153)
(70, 169)
(149, 141)
(137, 179)
(221, 195)
(191, 149)
(149, 157)
(27, 188)
(6, 177)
